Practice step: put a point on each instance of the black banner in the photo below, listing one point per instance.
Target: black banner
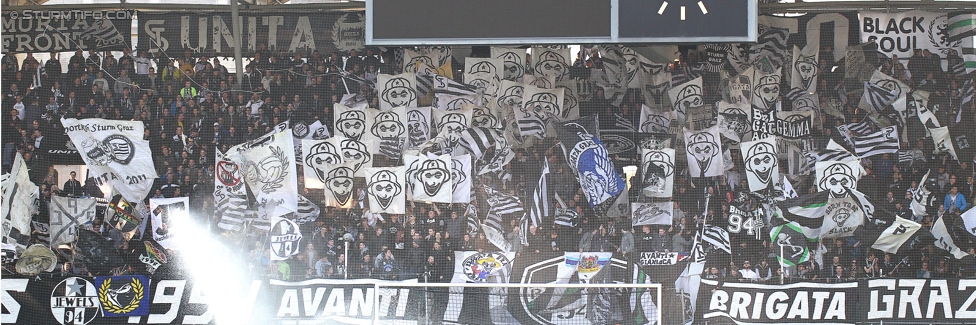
(939, 301)
(32, 31)
(212, 33)
(807, 303)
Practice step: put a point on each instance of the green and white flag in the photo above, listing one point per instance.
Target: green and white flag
(793, 243)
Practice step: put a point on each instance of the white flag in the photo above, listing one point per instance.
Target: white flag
(339, 185)
(513, 60)
(920, 197)
(461, 179)
(842, 216)
(230, 195)
(115, 152)
(350, 122)
(268, 165)
(433, 179)
(969, 219)
(659, 213)
(165, 214)
(19, 199)
(686, 95)
(284, 238)
(317, 156)
(761, 162)
(894, 236)
(474, 266)
(67, 214)
(385, 129)
(806, 66)
(386, 189)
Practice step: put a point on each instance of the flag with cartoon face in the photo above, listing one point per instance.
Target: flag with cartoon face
(418, 126)
(386, 189)
(485, 74)
(396, 90)
(761, 163)
(655, 82)
(432, 179)
(513, 61)
(339, 185)
(687, 95)
(883, 90)
(704, 150)
(842, 216)
(461, 179)
(539, 106)
(838, 177)
(449, 126)
(589, 160)
(658, 172)
(386, 131)
(355, 152)
(317, 156)
(350, 122)
(450, 95)
(806, 67)
(765, 89)
(552, 63)
(653, 121)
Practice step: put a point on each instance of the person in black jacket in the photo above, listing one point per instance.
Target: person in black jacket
(73, 187)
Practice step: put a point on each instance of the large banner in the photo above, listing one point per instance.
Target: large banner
(212, 33)
(808, 303)
(115, 152)
(32, 31)
(903, 32)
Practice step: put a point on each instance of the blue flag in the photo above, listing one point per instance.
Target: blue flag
(123, 295)
(590, 161)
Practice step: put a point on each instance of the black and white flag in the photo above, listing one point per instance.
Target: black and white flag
(339, 185)
(552, 63)
(838, 177)
(704, 149)
(484, 74)
(386, 190)
(268, 168)
(944, 239)
(501, 203)
(449, 126)
(718, 237)
(386, 130)
(900, 232)
(652, 121)
(418, 121)
(284, 239)
(657, 170)
(495, 231)
(766, 89)
(230, 195)
(449, 95)
(877, 143)
(115, 152)
(842, 217)
(943, 142)
(658, 213)
(883, 90)
(478, 140)
(66, 215)
(686, 95)
(540, 198)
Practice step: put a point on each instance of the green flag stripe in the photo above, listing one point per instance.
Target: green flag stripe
(962, 24)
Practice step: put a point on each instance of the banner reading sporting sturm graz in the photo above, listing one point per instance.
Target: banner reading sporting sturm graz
(212, 33)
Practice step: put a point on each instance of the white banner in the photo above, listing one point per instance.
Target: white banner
(461, 179)
(115, 152)
(704, 148)
(165, 213)
(902, 33)
(395, 91)
(761, 163)
(659, 213)
(432, 179)
(654, 184)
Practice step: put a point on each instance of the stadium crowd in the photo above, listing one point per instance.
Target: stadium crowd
(191, 105)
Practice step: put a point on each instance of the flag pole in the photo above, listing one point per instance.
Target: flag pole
(782, 265)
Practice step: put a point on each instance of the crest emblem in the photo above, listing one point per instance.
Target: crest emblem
(114, 148)
(479, 266)
(74, 301)
(285, 239)
(349, 32)
(123, 295)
